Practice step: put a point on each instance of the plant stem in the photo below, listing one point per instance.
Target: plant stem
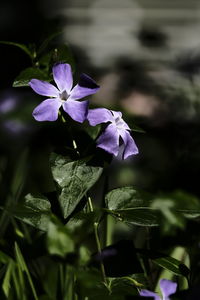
(95, 226)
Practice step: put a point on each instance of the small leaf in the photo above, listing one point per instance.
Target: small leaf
(22, 265)
(131, 206)
(126, 197)
(34, 211)
(6, 285)
(26, 75)
(59, 241)
(4, 258)
(166, 206)
(137, 216)
(75, 179)
(167, 262)
(171, 264)
(124, 286)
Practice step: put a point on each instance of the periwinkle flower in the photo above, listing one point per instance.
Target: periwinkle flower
(167, 287)
(116, 130)
(63, 95)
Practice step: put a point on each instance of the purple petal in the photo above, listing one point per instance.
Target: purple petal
(167, 287)
(62, 75)
(86, 86)
(76, 109)
(130, 147)
(109, 140)
(47, 110)
(147, 293)
(43, 88)
(99, 115)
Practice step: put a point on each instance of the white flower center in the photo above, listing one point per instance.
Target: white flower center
(63, 96)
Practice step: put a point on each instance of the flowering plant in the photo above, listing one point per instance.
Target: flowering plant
(71, 217)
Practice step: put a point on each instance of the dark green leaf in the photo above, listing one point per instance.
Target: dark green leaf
(124, 286)
(171, 264)
(22, 265)
(166, 206)
(137, 216)
(59, 241)
(126, 197)
(75, 179)
(4, 258)
(34, 211)
(167, 262)
(129, 205)
(26, 75)
(6, 285)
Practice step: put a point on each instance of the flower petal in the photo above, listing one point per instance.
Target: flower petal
(43, 88)
(167, 287)
(62, 75)
(99, 115)
(109, 140)
(147, 293)
(76, 109)
(47, 110)
(130, 147)
(86, 86)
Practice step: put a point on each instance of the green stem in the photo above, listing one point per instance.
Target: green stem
(95, 226)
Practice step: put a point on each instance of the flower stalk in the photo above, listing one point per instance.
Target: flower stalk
(98, 244)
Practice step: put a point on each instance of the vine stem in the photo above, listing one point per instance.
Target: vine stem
(95, 226)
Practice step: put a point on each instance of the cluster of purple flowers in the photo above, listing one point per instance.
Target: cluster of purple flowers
(67, 96)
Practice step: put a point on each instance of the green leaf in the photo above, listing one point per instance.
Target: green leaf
(124, 286)
(181, 202)
(50, 279)
(22, 265)
(131, 206)
(89, 284)
(75, 179)
(126, 197)
(137, 216)
(166, 206)
(34, 211)
(26, 75)
(175, 208)
(171, 264)
(6, 285)
(4, 258)
(21, 46)
(59, 241)
(167, 262)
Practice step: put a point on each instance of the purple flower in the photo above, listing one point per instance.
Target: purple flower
(63, 95)
(117, 129)
(167, 287)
